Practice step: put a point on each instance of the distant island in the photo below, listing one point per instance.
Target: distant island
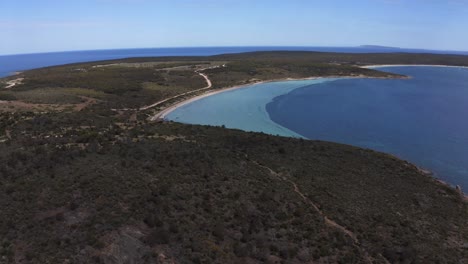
(378, 47)
(91, 173)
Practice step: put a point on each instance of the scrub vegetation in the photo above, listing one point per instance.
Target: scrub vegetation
(83, 180)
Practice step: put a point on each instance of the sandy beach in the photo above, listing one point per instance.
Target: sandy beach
(166, 111)
(171, 108)
(162, 114)
(416, 65)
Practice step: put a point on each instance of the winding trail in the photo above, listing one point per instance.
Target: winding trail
(12, 83)
(296, 189)
(208, 86)
(199, 72)
(328, 221)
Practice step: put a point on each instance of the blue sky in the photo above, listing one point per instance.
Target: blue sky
(57, 25)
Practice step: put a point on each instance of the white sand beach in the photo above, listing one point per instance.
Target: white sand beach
(416, 65)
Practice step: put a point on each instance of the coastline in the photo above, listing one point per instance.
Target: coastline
(163, 113)
(5, 75)
(411, 65)
(167, 110)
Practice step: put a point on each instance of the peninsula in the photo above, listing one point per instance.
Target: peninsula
(88, 176)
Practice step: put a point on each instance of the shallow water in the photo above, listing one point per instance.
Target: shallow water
(242, 108)
(423, 119)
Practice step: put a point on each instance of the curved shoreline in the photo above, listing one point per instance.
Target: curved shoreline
(411, 65)
(167, 110)
(162, 114)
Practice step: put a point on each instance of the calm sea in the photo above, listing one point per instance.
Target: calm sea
(422, 119)
(12, 63)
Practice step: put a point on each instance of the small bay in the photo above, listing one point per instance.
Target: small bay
(242, 108)
(422, 119)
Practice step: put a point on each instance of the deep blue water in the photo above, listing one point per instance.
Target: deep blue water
(423, 119)
(12, 63)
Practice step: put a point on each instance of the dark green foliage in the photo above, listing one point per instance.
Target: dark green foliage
(204, 197)
(115, 81)
(245, 71)
(158, 236)
(118, 86)
(137, 82)
(348, 58)
(95, 185)
(7, 96)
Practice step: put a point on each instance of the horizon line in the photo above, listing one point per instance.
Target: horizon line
(238, 46)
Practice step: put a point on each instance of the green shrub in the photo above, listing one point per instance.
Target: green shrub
(158, 236)
(6, 96)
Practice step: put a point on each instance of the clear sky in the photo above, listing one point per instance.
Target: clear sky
(58, 25)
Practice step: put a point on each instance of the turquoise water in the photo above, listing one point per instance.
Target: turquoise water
(241, 108)
(423, 119)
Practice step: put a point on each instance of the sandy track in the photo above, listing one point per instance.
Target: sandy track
(12, 83)
(209, 85)
(328, 221)
(413, 65)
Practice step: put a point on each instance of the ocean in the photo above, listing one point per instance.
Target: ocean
(422, 119)
(14, 63)
(242, 108)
